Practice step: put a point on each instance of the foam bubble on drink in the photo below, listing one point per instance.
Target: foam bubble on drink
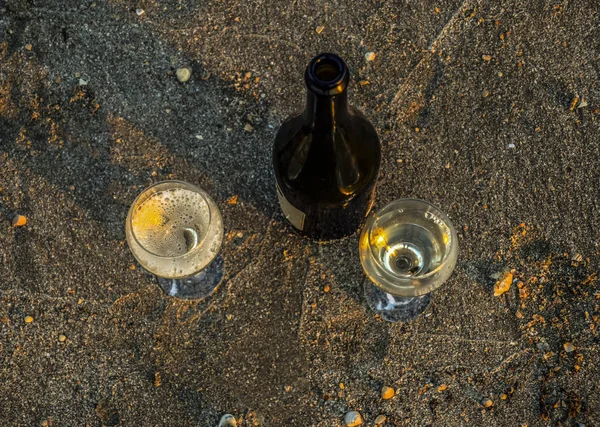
(171, 223)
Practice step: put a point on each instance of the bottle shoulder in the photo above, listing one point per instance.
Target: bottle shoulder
(354, 126)
(333, 164)
(290, 128)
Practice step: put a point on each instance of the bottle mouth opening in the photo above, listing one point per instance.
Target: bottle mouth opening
(327, 70)
(327, 74)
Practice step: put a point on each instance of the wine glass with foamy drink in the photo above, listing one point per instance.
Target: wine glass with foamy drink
(175, 230)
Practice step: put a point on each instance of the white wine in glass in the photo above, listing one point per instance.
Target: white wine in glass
(407, 249)
(175, 231)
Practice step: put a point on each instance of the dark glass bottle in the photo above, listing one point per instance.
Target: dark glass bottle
(326, 160)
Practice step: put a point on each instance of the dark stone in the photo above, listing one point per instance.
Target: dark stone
(107, 413)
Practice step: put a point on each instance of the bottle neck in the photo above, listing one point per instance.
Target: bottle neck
(326, 80)
(325, 111)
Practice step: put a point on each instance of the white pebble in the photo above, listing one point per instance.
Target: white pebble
(183, 74)
(353, 419)
(511, 145)
(139, 12)
(370, 56)
(228, 420)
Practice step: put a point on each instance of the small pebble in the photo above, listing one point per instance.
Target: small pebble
(19, 220)
(183, 74)
(442, 387)
(28, 319)
(487, 403)
(503, 396)
(353, 419)
(200, 137)
(511, 145)
(387, 392)
(486, 58)
(319, 29)
(326, 288)
(139, 12)
(28, 46)
(569, 347)
(574, 103)
(228, 420)
(82, 82)
(370, 56)
(503, 284)
(62, 338)
(543, 346)
(380, 420)
(248, 128)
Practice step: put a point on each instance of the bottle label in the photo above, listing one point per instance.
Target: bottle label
(294, 215)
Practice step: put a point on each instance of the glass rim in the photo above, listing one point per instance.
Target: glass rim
(429, 274)
(192, 187)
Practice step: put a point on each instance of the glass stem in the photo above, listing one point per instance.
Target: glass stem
(198, 286)
(394, 308)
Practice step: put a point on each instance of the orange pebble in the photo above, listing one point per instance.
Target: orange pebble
(19, 220)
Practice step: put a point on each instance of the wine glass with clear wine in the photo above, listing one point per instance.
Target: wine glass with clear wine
(175, 230)
(407, 249)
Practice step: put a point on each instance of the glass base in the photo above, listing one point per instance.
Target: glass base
(195, 287)
(394, 308)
